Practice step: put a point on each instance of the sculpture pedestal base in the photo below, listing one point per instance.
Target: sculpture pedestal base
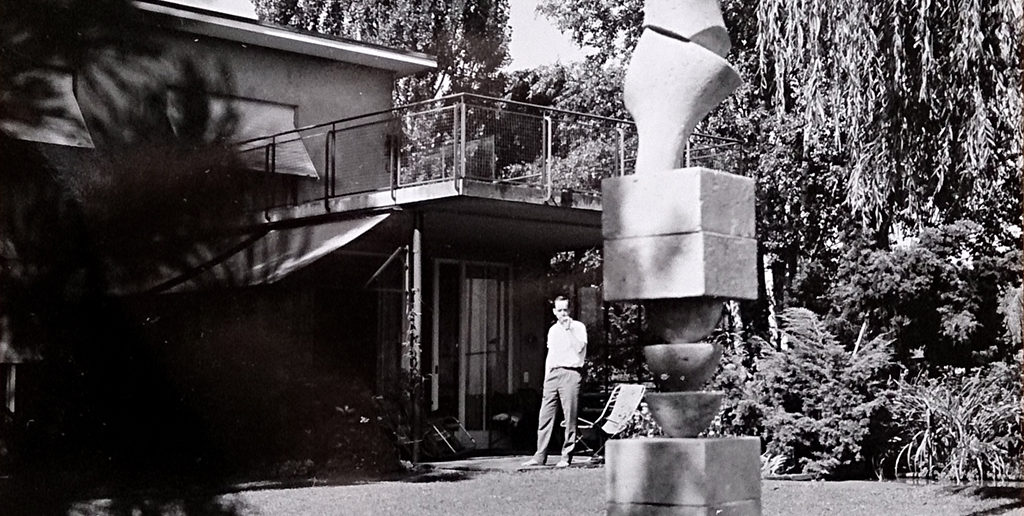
(678, 477)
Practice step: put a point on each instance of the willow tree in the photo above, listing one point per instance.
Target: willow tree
(469, 37)
(923, 95)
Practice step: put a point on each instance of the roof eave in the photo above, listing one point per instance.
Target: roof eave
(208, 23)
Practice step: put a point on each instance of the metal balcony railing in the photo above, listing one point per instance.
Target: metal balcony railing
(458, 138)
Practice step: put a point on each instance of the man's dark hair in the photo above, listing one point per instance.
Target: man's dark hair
(560, 298)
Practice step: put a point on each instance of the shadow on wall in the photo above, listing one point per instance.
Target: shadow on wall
(127, 399)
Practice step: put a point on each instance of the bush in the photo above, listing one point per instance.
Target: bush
(938, 296)
(822, 407)
(960, 425)
(740, 414)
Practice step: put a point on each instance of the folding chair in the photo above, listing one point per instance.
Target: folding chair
(622, 403)
(446, 437)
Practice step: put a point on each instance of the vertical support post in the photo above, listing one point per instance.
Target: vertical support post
(416, 332)
(268, 174)
(547, 125)
(687, 153)
(513, 371)
(435, 343)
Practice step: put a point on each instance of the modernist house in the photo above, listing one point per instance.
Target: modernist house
(382, 237)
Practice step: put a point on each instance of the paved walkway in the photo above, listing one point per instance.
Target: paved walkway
(506, 463)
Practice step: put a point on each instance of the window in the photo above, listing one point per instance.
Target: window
(253, 119)
(45, 110)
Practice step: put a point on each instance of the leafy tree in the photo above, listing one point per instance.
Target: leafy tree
(469, 37)
(937, 295)
(923, 94)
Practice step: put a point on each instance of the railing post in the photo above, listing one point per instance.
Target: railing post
(687, 152)
(622, 149)
(396, 171)
(462, 142)
(455, 146)
(547, 125)
(334, 160)
(328, 151)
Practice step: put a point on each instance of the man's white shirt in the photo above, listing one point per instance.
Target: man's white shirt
(567, 347)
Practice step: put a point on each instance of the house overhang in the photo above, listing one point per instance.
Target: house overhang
(242, 30)
(506, 227)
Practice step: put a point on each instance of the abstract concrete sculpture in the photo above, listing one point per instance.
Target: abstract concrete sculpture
(680, 240)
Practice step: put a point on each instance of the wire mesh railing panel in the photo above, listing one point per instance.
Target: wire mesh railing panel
(714, 152)
(362, 154)
(427, 149)
(584, 151)
(630, 140)
(479, 138)
(504, 146)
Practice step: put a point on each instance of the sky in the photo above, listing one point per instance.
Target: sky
(535, 41)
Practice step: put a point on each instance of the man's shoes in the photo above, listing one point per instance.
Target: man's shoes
(532, 462)
(562, 464)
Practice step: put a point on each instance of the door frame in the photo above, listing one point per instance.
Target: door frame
(463, 330)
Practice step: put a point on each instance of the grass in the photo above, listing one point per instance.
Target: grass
(571, 491)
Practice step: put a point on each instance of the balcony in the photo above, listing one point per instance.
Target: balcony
(457, 146)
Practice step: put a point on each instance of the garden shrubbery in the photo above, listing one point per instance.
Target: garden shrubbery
(851, 410)
(822, 407)
(960, 425)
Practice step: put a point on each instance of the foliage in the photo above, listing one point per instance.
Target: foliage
(1010, 307)
(75, 221)
(584, 166)
(961, 425)
(923, 94)
(823, 407)
(610, 26)
(468, 37)
(740, 413)
(937, 295)
(641, 424)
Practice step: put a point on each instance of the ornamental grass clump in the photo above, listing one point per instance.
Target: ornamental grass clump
(962, 425)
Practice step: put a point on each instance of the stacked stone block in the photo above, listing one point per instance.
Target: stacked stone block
(681, 241)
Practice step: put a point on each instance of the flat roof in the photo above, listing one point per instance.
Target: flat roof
(243, 30)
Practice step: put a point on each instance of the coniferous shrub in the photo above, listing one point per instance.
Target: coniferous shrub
(823, 407)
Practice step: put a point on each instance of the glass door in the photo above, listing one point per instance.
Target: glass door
(471, 341)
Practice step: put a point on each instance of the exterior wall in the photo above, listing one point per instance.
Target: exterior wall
(320, 90)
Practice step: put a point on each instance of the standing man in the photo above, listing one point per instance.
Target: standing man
(567, 347)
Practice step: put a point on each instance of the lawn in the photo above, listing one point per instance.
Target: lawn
(569, 491)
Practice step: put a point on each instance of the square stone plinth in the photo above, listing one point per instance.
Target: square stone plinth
(685, 200)
(680, 266)
(745, 508)
(684, 476)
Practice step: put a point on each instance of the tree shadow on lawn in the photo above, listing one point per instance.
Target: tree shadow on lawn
(1014, 495)
(428, 476)
(56, 493)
